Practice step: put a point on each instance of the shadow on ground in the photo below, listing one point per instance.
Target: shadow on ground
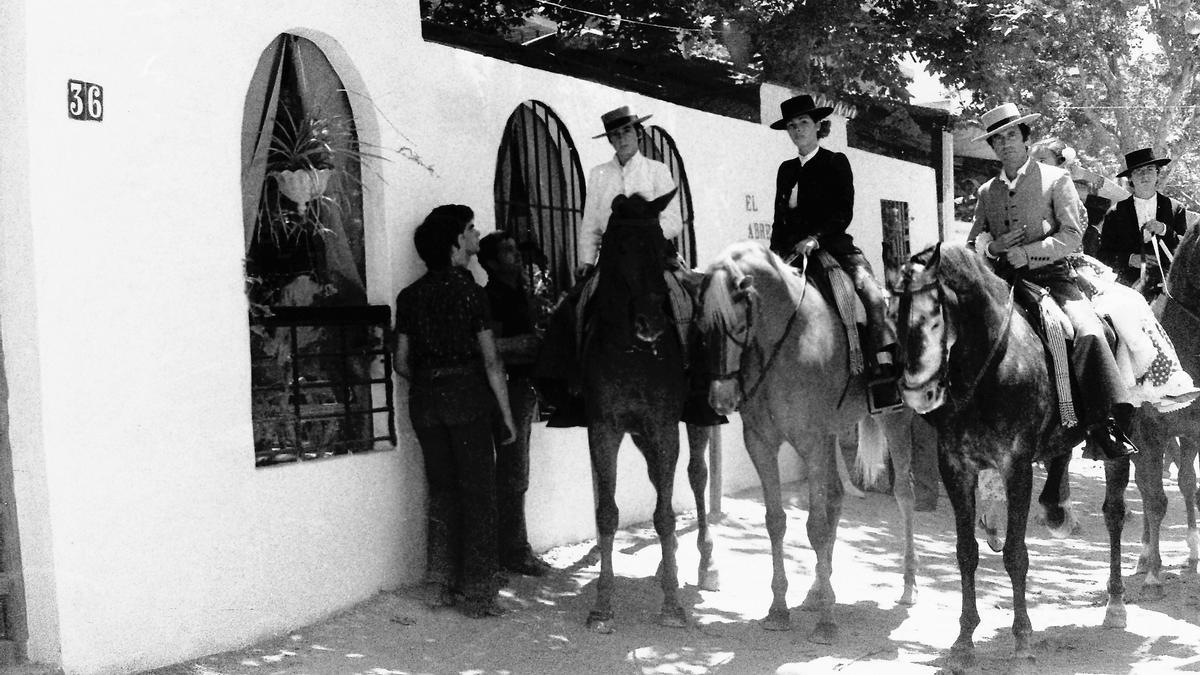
(544, 630)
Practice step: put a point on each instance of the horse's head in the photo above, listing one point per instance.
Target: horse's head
(926, 333)
(631, 296)
(727, 297)
(1183, 279)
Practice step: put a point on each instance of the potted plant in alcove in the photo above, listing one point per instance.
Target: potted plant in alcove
(307, 154)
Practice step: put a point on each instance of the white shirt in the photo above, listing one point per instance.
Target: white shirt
(640, 175)
(1146, 209)
(1012, 184)
(804, 158)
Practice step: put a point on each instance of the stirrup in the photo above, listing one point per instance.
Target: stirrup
(883, 396)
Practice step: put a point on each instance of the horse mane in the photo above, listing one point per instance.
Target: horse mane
(965, 272)
(751, 258)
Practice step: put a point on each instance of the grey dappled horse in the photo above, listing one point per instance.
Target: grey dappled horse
(976, 369)
(781, 351)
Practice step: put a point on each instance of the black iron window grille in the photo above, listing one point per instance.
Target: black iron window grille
(322, 382)
(896, 247)
(539, 194)
(657, 144)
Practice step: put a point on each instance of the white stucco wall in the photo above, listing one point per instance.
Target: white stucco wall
(147, 534)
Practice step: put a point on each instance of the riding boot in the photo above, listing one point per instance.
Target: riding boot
(1109, 440)
(882, 392)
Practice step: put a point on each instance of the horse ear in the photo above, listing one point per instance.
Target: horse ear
(935, 257)
(660, 203)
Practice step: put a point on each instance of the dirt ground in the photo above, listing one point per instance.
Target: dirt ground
(544, 632)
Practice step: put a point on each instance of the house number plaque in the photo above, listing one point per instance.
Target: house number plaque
(85, 101)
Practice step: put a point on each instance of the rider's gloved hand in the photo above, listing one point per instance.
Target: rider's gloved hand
(806, 246)
(583, 271)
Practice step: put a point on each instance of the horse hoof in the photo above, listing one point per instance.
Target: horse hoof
(777, 620)
(1024, 664)
(1114, 616)
(961, 660)
(825, 633)
(995, 541)
(909, 597)
(601, 622)
(709, 580)
(673, 618)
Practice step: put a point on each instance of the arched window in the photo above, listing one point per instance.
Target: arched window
(320, 377)
(539, 197)
(658, 144)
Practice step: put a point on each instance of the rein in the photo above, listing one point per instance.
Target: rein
(775, 349)
(943, 372)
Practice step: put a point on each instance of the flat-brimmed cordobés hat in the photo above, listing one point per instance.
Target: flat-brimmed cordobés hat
(1003, 116)
(615, 119)
(1139, 158)
(797, 106)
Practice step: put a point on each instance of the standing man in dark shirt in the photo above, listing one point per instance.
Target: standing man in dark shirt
(518, 342)
(445, 349)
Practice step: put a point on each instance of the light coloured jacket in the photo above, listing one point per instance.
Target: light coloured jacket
(640, 175)
(1044, 203)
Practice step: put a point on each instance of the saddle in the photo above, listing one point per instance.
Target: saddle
(836, 286)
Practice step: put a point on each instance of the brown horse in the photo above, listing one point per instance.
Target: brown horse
(780, 349)
(1178, 310)
(975, 368)
(634, 382)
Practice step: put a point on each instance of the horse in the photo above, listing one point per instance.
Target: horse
(634, 382)
(975, 367)
(1178, 310)
(780, 350)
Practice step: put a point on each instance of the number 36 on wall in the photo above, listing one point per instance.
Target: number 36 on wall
(85, 101)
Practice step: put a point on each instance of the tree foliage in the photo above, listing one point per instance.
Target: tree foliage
(1109, 76)
(485, 17)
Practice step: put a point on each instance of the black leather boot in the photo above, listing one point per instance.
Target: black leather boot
(1111, 438)
(882, 393)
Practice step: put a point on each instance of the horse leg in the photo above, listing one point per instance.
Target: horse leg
(604, 441)
(960, 488)
(1016, 555)
(763, 454)
(1152, 438)
(898, 433)
(1055, 498)
(843, 471)
(1187, 488)
(708, 577)
(660, 446)
(824, 511)
(1116, 479)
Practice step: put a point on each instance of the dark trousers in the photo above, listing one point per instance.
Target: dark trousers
(512, 473)
(460, 469)
(859, 270)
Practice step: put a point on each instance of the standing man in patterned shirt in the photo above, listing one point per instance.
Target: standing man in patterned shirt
(446, 351)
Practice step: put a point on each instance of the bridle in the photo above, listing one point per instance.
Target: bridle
(745, 342)
(943, 372)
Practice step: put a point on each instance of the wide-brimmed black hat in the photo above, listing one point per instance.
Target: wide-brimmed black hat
(1139, 158)
(797, 106)
(615, 119)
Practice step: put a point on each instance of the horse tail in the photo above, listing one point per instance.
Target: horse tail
(871, 459)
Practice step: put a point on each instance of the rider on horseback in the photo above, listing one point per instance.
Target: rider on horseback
(1027, 221)
(629, 172)
(814, 203)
